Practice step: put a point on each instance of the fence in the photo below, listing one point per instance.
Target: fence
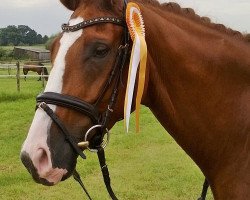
(18, 75)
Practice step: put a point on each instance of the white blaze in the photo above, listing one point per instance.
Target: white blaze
(37, 136)
(56, 76)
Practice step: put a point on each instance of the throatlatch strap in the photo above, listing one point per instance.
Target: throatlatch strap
(105, 173)
(204, 190)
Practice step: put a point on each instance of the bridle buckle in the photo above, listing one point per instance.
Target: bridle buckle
(42, 105)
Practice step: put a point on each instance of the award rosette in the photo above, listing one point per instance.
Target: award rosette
(138, 62)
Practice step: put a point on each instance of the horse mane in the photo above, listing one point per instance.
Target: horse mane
(190, 13)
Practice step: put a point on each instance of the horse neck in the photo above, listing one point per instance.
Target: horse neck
(193, 80)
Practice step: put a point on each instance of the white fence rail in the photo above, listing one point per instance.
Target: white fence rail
(12, 66)
(9, 76)
(18, 76)
(4, 66)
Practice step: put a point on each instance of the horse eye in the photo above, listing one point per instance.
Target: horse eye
(101, 51)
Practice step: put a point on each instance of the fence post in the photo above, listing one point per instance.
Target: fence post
(43, 84)
(18, 76)
(9, 68)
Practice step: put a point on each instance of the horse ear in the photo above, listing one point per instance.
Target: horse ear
(71, 4)
(113, 4)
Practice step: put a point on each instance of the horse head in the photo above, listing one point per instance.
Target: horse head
(86, 69)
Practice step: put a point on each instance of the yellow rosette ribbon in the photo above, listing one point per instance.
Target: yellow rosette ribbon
(138, 56)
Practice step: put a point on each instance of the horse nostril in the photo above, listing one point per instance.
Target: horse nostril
(43, 159)
(25, 158)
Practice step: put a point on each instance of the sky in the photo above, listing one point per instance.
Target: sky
(46, 16)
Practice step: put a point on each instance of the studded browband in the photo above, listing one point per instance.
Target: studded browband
(113, 20)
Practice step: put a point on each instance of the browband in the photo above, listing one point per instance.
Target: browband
(91, 22)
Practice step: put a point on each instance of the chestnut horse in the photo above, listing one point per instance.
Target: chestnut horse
(197, 86)
(35, 67)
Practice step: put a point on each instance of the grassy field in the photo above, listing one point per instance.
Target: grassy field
(149, 165)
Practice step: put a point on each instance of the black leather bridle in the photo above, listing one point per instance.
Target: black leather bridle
(99, 120)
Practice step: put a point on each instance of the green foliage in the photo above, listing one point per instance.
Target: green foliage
(5, 54)
(2, 52)
(50, 41)
(145, 166)
(19, 35)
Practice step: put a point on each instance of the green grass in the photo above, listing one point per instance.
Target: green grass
(149, 165)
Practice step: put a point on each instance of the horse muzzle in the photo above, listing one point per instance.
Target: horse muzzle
(41, 171)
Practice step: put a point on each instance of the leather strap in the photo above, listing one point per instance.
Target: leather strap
(79, 180)
(91, 22)
(105, 173)
(70, 102)
(204, 190)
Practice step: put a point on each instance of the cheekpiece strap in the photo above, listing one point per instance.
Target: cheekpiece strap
(91, 22)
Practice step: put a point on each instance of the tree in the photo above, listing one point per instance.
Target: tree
(20, 35)
(31, 37)
(39, 39)
(45, 39)
(9, 35)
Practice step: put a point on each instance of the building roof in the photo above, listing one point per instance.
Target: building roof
(33, 49)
